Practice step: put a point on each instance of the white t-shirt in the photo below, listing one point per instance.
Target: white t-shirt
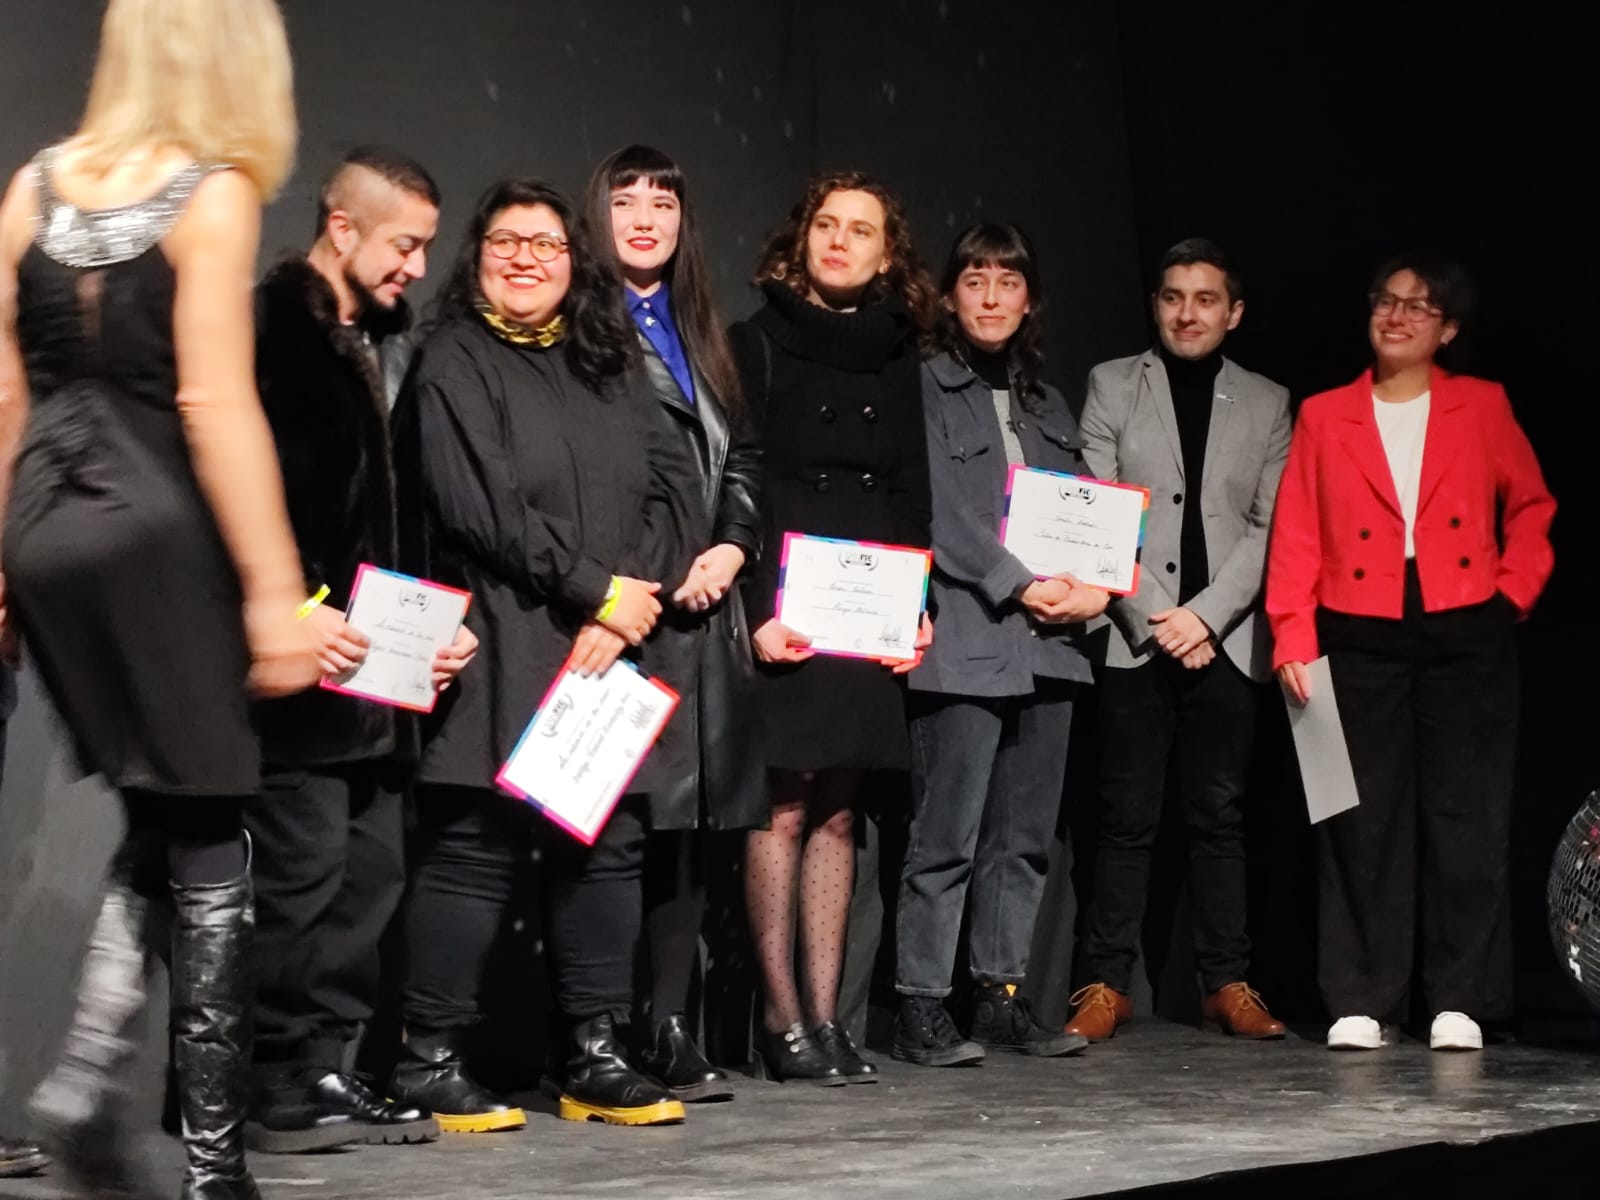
(1404, 428)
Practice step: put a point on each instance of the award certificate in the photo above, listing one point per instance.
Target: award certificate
(1071, 524)
(857, 599)
(584, 745)
(409, 621)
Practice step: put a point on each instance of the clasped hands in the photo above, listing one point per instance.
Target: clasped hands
(1179, 632)
(1063, 600)
(775, 642)
(600, 643)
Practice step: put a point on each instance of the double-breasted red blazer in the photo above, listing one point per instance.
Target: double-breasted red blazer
(1338, 537)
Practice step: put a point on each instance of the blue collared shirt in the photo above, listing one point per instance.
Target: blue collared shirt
(653, 315)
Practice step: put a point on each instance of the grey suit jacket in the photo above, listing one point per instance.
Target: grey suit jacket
(1130, 434)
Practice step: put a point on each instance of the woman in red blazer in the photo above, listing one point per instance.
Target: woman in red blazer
(1410, 533)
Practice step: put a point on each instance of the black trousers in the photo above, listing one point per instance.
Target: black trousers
(329, 873)
(475, 863)
(1202, 724)
(1429, 708)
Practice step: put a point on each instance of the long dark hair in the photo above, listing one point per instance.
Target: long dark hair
(784, 257)
(1004, 245)
(694, 308)
(599, 336)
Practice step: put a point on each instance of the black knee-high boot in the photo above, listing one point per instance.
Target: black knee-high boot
(210, 1018)
(78, 1108)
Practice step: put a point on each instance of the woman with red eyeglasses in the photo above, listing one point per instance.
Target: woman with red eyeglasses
(1410, 534)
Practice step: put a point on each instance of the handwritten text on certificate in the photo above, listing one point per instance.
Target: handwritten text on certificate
(586, 743)
(853, 598)
(1069, 524)
(408, 621)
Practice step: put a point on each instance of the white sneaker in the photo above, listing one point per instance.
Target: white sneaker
(1455, 1031)
(1355, 1033)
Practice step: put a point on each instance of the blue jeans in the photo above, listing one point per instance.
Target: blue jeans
(986, 779)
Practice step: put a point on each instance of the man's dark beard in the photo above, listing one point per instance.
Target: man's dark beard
(377, 321)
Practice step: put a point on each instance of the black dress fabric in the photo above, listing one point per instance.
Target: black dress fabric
(115, 570)
(521, 484)
(837, 406)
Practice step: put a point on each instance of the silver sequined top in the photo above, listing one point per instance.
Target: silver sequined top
(100, 237)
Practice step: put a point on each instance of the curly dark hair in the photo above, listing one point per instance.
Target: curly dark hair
(694, 307)
(599, 338)
(1004, 245)
(784, 258)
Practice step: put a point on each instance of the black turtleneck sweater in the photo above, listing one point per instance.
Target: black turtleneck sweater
(1194, 385)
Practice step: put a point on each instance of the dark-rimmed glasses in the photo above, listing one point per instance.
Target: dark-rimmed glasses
(545, 247)
(1413, 308)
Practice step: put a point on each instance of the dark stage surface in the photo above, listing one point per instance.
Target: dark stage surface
(1159, 1105)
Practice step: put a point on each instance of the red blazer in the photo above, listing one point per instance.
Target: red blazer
(1338, 539)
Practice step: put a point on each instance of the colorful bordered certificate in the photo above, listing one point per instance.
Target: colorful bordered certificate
(858, 599)
(583, 747)
(409, 620)
(1071, 524)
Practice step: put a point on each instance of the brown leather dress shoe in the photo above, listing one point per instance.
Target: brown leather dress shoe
(1237, 1009)
(1097, 1011)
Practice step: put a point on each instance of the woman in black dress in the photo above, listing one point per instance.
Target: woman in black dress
(714, 779)
(830, 368)
(544, 479)
(148, 561)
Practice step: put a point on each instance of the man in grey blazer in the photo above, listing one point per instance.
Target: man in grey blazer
(1209, 440)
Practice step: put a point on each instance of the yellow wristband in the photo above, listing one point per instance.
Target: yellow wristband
(613, 598)
(311, 605)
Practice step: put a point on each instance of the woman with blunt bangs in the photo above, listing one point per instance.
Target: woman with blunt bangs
(991, 705)
(829, 367)
(702, 647)
(148, 559)
(536, 471)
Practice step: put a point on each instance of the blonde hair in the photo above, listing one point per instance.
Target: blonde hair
(212, 77)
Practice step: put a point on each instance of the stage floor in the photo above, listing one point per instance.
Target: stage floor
(1160, 1104)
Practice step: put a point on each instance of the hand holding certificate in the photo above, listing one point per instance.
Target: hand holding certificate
(407, 622)
(857, 599)
(1069, 524)
(586, 743)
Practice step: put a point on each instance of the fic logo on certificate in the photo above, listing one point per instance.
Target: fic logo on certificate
(857, 599)
(1070, 524)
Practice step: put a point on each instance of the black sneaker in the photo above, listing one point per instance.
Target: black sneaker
(924, 1034)
(1006, 1021)
(19, 1158)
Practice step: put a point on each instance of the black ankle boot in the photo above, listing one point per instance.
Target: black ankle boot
(601, 1086)
(77, 1108)
(674, 1059)
(296, 1110)
(794, 1056)
(432, 1074)
(210, 1022)
(836, 1044)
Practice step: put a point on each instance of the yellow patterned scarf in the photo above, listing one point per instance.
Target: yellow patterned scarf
(544, 337)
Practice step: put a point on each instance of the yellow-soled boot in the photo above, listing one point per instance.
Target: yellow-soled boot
(433, 1074)
(601, 1086)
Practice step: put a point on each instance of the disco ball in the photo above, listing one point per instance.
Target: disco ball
(1574, 900)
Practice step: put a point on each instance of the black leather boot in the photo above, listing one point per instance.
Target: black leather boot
(674, 1059)
(601, 1086)
(794, 1056)
(432, 1075)
(836, 1044)
(210, 1026)
(77, 1109)
(291, 1112)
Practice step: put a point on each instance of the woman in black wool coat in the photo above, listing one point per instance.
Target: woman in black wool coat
(830, 371)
